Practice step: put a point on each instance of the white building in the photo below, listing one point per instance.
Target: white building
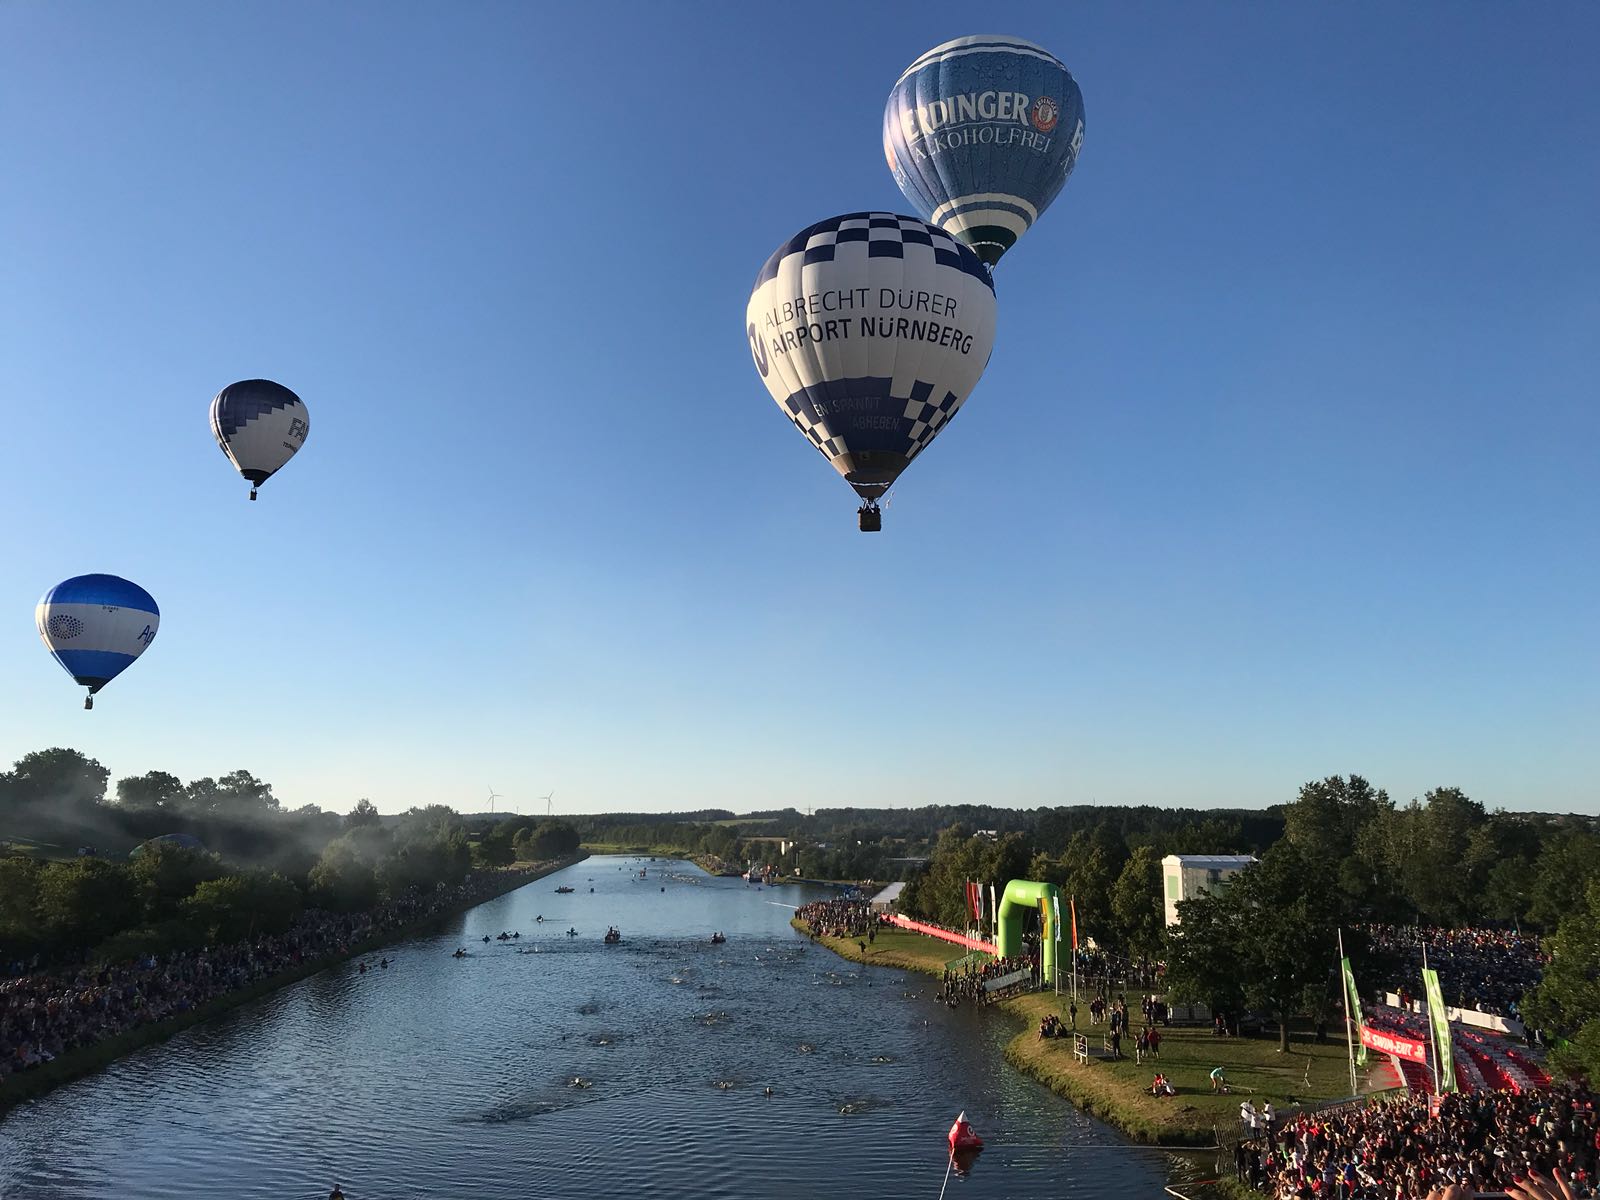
(1186, 876)
(888, 899)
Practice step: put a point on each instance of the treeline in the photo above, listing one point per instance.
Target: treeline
(212, 860)
(1051, 828)
(1347, 856)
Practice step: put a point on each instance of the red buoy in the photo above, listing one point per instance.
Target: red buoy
(962, 1136)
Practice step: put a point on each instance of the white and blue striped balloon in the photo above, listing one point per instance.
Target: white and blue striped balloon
(95, 626)
(981, 134)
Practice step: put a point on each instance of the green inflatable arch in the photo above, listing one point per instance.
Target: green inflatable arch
(1022, 896)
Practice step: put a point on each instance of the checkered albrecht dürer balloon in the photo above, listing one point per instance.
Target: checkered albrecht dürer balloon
(870, 330)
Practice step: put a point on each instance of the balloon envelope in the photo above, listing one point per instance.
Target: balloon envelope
(259, 425)
(95, 625)
(980, 134)
(870, 330)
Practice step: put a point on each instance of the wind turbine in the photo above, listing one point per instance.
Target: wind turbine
(547, 804)
(493, 796)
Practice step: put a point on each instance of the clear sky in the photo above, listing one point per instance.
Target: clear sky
(1285, 464)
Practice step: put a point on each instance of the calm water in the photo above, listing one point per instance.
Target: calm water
(454, 1078)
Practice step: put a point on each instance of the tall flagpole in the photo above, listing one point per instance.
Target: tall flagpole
(1073, 903)
(1433, 1042)
(1344, 991)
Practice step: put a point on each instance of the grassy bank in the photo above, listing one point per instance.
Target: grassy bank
(86, 1060)
(1115, 1091)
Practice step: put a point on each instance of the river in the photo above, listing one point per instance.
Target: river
(452, 1078)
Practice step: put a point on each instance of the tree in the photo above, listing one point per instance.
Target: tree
(1566, 867)
(19, 903)
(237, 907)
(153, 789)
(82, 900)
(343, 879)
(1137, 910)
(164, 875)
(1088, 883)
(1568, 997)
(52, 792)
(364, 813)
(1271, 929)
(1326, 824)
(552, 839)
(1438, 875)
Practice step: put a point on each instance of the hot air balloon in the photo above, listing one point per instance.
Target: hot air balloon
(259, 425)
(95, 625)
(870, 330)
(980, 134)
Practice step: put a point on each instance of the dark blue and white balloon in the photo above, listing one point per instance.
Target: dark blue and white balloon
(870, 330)
(95, 626)
(260, 425)
(981, 134)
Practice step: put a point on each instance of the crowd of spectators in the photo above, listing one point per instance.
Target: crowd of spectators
(970, 980)
(847, 917)
(1486, 969)
(1398, 1150)
(44, 1014)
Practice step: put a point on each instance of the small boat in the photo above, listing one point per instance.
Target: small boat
(717, 939)
(613, 936)
(572, 933)
(562, 891)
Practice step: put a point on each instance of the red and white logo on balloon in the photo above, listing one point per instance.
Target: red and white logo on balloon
(1046, 112)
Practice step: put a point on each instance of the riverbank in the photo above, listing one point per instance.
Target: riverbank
(75, 1064)
(1115, 1091)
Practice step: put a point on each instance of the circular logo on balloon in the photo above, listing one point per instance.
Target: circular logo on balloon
(1046, 112)
(64, 626)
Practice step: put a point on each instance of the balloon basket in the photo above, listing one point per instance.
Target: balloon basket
(870, 518)
(252, 493)
(88, 702)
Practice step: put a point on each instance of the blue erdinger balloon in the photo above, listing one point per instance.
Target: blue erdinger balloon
(980, 134)
(95, 626)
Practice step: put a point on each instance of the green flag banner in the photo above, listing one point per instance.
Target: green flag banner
(1441, 1031)
(1353, 999)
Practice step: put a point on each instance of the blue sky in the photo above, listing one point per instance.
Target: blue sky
(1284, 464)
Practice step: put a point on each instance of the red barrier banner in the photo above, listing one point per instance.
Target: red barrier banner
(1394, 1043)
(959, 939)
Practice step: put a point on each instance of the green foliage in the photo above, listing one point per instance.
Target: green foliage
(81, 901)
(164, 875)
(343, 879)
(1568, 998)
(1089, 875)
(364, 813)
(939, 893)
(1136, 904)
(237, 907)
(20, 931)
(551, 839)
(1269, 937)
(153, 789)
(1565, 868)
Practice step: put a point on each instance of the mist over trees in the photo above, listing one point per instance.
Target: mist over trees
(169, 865)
